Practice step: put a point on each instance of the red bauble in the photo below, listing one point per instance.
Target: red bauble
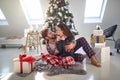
(72, 16)
(110, 53)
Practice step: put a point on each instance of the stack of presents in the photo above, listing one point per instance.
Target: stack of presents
(24, 63)
(99, 45)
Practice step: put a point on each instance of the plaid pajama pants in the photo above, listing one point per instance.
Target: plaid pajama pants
(58, 60)
(81, 42)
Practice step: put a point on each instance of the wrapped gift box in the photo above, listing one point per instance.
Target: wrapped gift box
(99, 45)
(26, 68)
(98, 39)
(102, 54)
(97, 32)
(25, 65)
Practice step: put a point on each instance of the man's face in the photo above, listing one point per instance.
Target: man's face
(51, 35)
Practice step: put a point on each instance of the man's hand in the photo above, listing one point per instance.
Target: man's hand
(56, 52)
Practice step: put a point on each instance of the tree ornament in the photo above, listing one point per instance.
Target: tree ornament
(60, 14)
(72, 16)
(55, 6)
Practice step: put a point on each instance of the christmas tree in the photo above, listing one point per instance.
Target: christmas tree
(58, 12)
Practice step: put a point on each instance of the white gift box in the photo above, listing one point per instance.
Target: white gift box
(99, 45)
(98, 32)
(26, 66)
(102, 54)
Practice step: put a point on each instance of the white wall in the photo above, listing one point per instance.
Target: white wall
(15, 17)
(17, 21)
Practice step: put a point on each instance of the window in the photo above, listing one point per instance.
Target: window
(3, 20)
(33, 11)
(94, 11)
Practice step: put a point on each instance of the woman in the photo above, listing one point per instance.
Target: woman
(64, 32)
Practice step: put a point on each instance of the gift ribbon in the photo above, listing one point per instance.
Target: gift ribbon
(97, 39)
(25, 58)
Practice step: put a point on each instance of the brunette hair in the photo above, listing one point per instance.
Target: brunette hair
(69, 40)
(44, 32)
(66, 30)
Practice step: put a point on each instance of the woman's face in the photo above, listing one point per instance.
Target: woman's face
(59, 31)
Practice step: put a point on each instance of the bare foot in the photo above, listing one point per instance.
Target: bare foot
(95, 62)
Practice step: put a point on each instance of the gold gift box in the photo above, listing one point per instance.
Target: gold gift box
(98, 39)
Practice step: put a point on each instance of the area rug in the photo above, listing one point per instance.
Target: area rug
(51, 71)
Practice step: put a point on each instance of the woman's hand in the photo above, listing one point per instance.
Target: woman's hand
(69, 47)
